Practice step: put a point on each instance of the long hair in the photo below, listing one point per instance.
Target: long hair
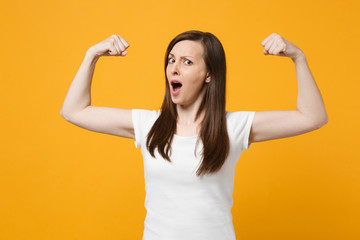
(213, 133)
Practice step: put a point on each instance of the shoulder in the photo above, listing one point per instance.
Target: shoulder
(239, 122)
(143, 120)
(144, 113)
(239, 116)
(239, 125)
(144, 117)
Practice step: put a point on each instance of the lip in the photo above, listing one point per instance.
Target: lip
(174, 80)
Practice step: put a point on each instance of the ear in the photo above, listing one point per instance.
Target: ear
(208, 77)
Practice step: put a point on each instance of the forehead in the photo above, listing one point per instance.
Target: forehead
(188, 48)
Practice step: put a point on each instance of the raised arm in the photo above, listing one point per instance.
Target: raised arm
(77, 107)
(310, 113)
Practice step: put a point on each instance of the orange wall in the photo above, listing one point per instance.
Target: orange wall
(58, 181)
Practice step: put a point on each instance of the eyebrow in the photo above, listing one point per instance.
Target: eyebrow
(181, 56)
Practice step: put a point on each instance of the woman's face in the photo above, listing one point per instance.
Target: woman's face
(186, 67)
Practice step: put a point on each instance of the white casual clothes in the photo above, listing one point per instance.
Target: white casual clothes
(179, 204)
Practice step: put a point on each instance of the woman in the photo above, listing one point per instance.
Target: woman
(191, 145)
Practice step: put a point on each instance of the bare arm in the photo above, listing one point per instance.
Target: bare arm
(79, 94)
(310, 113)
(77, 107)
(309, 100)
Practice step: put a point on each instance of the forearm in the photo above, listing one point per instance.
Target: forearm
(78, 96)
(309, 100)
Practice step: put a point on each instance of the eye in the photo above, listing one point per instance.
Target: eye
(169, 59)
(188, 62)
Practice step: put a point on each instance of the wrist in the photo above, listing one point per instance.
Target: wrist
(298, 57)
(91, 55)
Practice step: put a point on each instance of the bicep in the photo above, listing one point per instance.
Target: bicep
(268, 125)
(113, 121)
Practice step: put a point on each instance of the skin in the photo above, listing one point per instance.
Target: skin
(192, 72)
(309, 115)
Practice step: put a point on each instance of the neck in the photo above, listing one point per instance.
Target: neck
(187, 114)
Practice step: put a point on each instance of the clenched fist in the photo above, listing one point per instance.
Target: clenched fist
(279, 46)
(112, 46)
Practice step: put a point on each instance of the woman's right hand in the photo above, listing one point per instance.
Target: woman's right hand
(112, 46)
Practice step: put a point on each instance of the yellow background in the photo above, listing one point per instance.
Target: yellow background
(59, 181)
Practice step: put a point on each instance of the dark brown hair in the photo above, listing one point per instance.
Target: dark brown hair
(213, 133)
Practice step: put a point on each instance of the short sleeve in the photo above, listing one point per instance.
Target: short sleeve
(239, 126)
(142, 121)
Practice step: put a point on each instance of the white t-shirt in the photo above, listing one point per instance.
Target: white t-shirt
(179, 204)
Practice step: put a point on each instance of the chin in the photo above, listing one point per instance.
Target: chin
(175, 102)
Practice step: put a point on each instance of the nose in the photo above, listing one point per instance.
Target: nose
(174, 68)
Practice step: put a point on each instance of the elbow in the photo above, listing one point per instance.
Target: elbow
(322, 122)
(326, 120)
(64, 115)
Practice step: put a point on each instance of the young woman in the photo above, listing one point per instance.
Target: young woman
(191, 145)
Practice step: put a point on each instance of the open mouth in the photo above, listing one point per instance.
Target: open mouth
(176, 85)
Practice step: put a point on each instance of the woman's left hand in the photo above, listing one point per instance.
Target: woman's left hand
(279, 46)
